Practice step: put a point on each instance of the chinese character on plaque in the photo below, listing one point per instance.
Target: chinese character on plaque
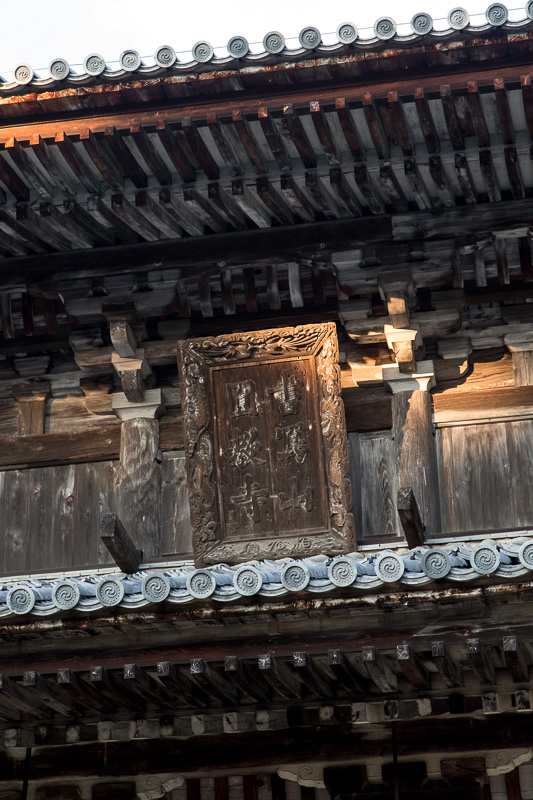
(267, 462)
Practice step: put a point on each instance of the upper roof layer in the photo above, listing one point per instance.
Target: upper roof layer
(274, 50)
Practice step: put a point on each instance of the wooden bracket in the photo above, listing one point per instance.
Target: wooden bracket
(397, 289)
(132, 373)
(409, 514)
(404, 342)
(116, 539)
(97, 394)
(31, 399)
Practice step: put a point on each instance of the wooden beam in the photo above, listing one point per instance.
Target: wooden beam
(102, 159)
(212, 683)
(48, 694)
(480, 663)
(399, 124)
(174, 150)
(51, 448)
(115, 537)
(414, 444)
(22, 160)
(241, 675)
(81, 691)
(514, 173)
(199, 149)
(412, 667)
(425, 119)
(36, 226)
(446, 666)
(53, 165)
(150, 690)
(348, 128)
(203, 209)
(344, 673)
(224, 145)
(365, 186)
(12, 181)
(344, 191)
(311, 678)
(100, 234)
(478, 115)
(156, 214)
(275, 202)
(451, 117)
(181, 686)
(416, 183)
(114, 690)
(239, 248)
(124, 158)
(379, 672)
(227, 207)
(274, 139)
(324, 133)
(374, 126)
(514, 660)
(183, 215)
(441, 181)
(409, 515)
(150, 155)
(464, 176)
(490, 177)
(249, 143)
(296, 198)
(294, 131)
(83, 173)
(250, 205)
(278, 675)
(504, 111)
(321, 198)
(262, 749)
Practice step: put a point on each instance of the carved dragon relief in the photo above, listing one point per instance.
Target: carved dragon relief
(245, 450)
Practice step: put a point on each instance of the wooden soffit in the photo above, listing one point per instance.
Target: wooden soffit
(267, 461)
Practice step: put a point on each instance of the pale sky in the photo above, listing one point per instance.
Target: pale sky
(40, 31)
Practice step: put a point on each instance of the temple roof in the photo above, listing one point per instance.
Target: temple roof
(269, 579)
(385, 34)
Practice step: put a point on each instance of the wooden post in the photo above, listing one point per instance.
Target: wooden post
(139, 495)
(521, 346)
(414, 439)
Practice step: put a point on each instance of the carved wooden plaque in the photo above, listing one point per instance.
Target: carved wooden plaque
(267, 461)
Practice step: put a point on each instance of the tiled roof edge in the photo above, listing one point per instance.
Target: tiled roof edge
(268, 579)
(165, 60)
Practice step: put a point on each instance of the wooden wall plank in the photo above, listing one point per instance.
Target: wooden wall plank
(140, 484)
(379, 486)
(176, 531)
(482, 476)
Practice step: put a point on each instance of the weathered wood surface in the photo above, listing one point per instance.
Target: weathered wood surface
(52, 516)
(262, 749)
(416, 455)
(523, 367)
(482, 476)
(176, 537)
(117, 541)
(60, 447)
(139, 484)
(481, 405)
(374, 487)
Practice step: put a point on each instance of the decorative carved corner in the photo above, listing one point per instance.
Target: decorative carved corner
(267, 460)
(311, 775)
